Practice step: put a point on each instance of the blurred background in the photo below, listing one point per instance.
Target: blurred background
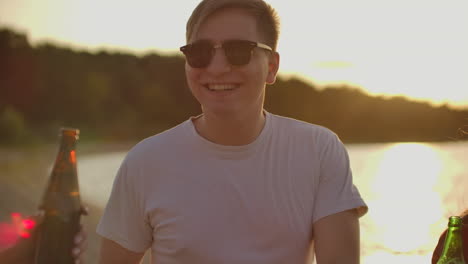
(389, 77)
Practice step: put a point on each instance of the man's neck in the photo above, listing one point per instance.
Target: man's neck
(230, 130)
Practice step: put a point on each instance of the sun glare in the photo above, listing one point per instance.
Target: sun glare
(423, 58)
(407, 172)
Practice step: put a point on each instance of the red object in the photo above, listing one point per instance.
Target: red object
(18, 228)
(28, 223)
(8, 235)
(10, 232)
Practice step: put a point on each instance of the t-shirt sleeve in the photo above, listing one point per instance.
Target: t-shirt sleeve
(336, 191)
(124, 220)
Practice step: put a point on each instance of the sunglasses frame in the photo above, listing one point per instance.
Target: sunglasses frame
(186, 51)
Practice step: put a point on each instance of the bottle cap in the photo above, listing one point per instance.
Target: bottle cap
(455, 221)
(71, 132)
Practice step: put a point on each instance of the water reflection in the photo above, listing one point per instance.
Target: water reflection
(407, 172)
(407, 187)
(97, 173)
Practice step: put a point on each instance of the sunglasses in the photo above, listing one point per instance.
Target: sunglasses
(238, 52)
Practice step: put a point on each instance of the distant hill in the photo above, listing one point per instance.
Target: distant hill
(117, 96)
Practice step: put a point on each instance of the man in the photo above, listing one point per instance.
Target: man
(235, 184)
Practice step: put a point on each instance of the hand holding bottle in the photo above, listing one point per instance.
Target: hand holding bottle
(62, 205)
(453, 249)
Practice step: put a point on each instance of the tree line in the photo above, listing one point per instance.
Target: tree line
(118, 96)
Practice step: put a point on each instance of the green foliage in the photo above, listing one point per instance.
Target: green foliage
(12, 126)
(114, 96)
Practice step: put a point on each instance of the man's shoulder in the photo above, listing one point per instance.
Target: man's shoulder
(296, 126)
(161, 142)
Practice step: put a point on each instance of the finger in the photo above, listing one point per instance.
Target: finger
(79, 259)
(83, 247)
(84, 210)
(77, 252)
(80, 236)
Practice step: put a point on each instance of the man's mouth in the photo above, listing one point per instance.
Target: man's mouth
(221, 87)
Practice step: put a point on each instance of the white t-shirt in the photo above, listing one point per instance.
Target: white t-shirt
(193, 201)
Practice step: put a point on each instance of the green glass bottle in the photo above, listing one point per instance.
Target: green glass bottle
(62, 206)
(453, 246)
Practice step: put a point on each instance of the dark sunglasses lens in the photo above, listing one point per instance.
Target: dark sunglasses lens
(238, 52)
(199, 54)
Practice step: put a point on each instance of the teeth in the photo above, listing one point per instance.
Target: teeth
(221, 87)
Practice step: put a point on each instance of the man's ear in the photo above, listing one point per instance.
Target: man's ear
(273, 67)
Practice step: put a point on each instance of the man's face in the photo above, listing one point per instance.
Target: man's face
(222, 88)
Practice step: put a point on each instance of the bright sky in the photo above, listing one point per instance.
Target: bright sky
(417, 48)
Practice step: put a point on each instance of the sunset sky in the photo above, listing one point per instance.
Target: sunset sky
(416, 48)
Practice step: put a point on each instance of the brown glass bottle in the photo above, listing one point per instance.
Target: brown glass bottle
(62, 206)
(453, 246)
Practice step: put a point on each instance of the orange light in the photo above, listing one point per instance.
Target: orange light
(73, 156)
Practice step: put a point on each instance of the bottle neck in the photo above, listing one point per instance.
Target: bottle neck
(453, 238)
(62, 191)
(64, 175)
(68, 139)
(453, 246)
(67, 151)
(68, 143)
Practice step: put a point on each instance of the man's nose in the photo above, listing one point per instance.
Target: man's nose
(219, 63)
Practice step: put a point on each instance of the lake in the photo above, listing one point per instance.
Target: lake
(411, 190)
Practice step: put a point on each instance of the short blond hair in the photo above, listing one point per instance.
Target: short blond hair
(267, 18)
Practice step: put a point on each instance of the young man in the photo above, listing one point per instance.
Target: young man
(235, 184)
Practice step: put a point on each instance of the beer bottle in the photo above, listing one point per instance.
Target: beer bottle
(453, 246)
(61, 205)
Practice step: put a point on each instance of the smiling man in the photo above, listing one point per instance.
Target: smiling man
(236, 184)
